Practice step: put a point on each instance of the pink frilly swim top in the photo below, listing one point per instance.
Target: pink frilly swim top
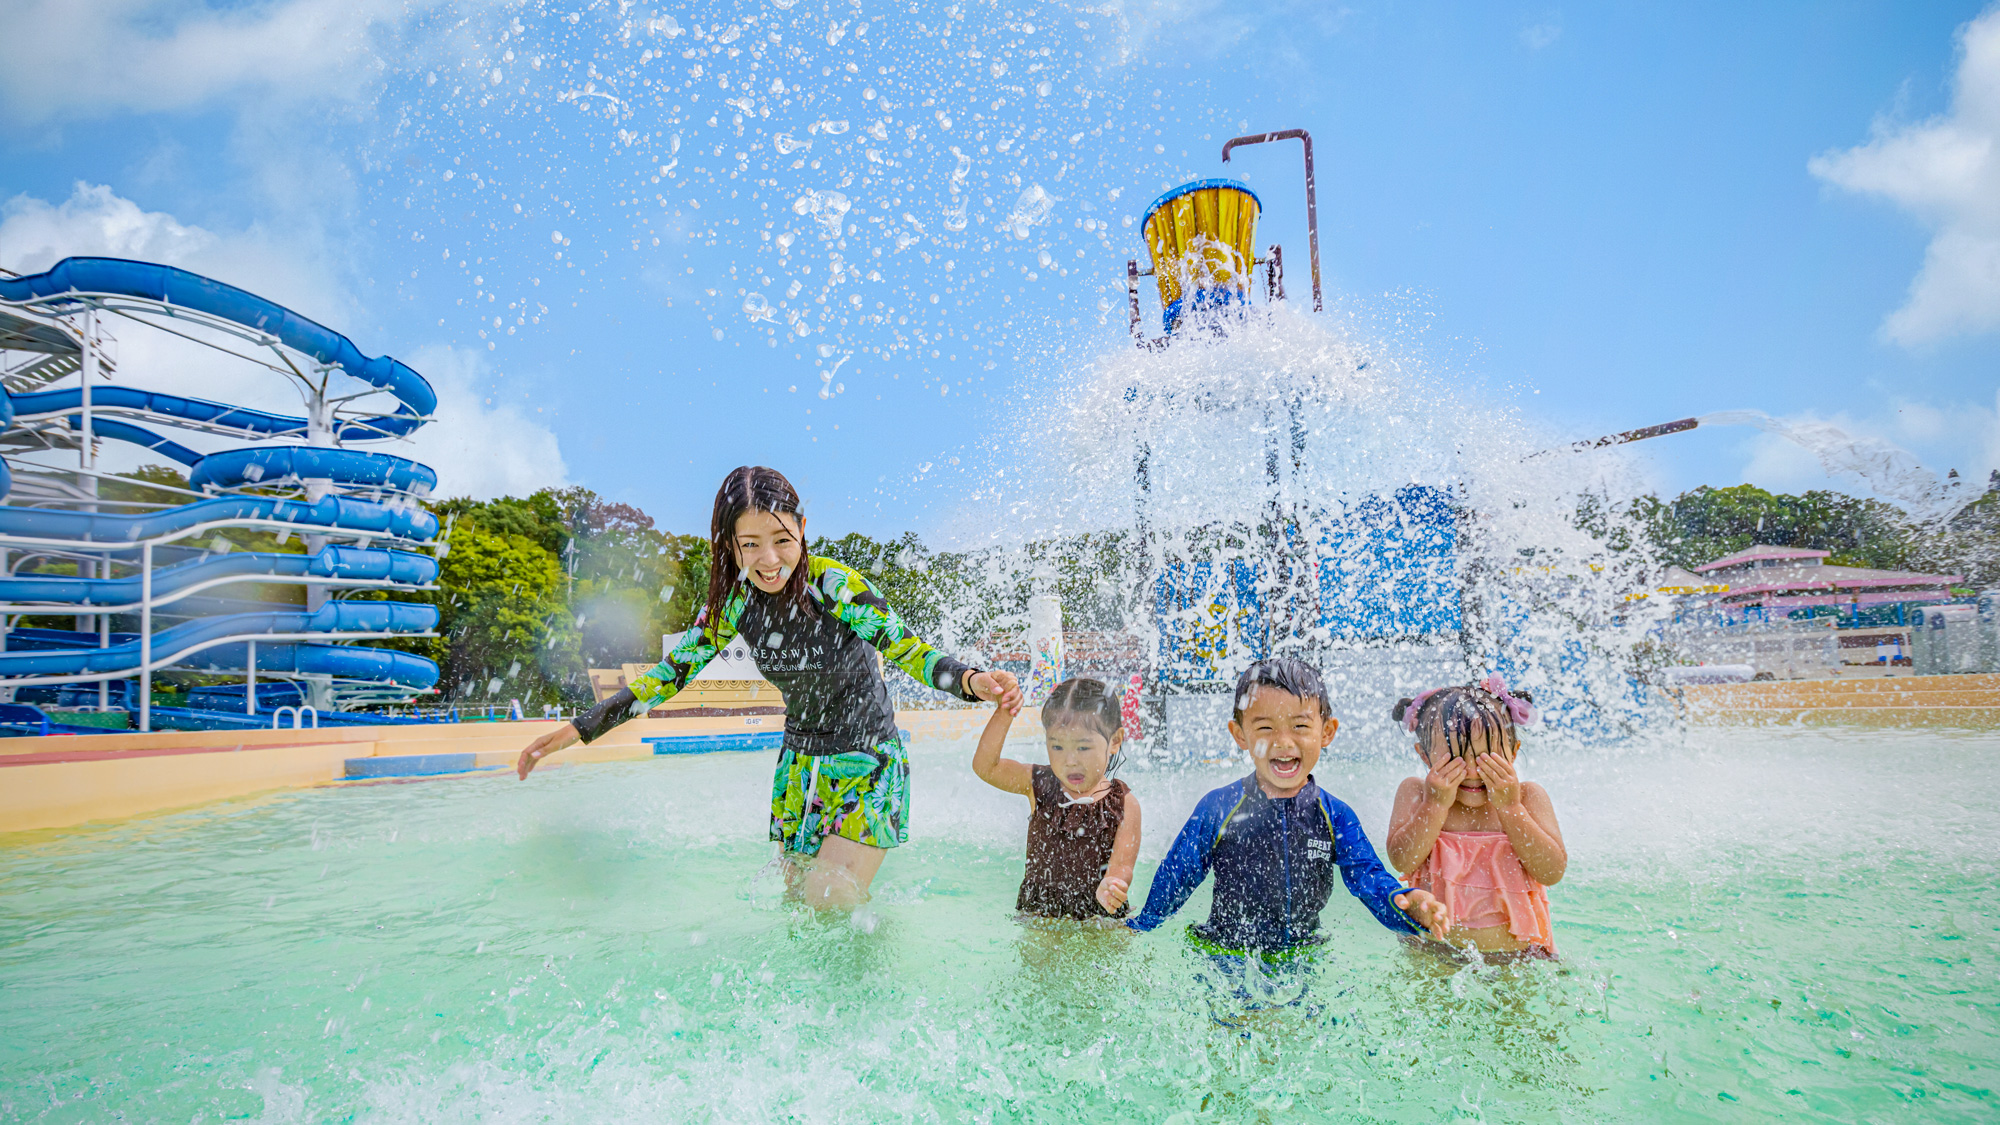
(1481, 881)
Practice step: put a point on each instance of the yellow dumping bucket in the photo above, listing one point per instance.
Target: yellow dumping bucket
(1201, 237)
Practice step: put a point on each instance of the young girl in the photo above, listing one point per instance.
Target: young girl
(1471, 832)
(1084, 835)
(841, 795)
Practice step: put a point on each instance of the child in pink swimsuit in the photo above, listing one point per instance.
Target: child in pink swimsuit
(1471, 832)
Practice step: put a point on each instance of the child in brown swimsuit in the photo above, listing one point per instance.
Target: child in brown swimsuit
(1084, 835)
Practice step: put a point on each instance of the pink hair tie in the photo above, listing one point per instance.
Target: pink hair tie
(1416, 705)
(1520, 710)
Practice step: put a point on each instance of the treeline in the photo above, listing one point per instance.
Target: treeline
(534, 591)
(1706, 524)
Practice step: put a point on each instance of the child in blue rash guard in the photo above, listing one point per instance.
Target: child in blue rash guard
(1275, 839)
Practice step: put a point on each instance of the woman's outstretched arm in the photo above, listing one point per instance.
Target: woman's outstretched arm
(660, 683)
(849, 597)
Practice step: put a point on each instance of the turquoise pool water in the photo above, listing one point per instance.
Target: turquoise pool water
(1797, 923)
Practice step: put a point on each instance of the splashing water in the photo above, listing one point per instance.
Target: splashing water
(595, 946)
(1281, 485)
(1891, 471)
(862, 150)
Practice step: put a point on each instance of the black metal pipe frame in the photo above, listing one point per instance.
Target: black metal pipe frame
(1640, 434)
(1312, 199)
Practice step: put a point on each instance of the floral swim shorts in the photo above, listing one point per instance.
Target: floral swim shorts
(859, 795)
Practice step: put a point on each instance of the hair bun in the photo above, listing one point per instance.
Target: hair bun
(1521, 694)
(1401, 708)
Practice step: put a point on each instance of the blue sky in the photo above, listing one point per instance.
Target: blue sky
(1604, 217)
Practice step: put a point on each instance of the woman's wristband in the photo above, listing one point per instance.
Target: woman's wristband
(965, 691)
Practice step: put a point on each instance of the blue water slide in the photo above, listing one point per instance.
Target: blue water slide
(230, 467)
(345, 466)
(38, 404)
(115, 430)
(254, 465)
(154, 282)
(330, 562)
(169, 644)
(335, 512)
(342, 662)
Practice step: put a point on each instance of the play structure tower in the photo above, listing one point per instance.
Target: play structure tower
(150, 584)
(1364, 582)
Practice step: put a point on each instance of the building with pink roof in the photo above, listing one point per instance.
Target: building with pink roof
(1782, 579)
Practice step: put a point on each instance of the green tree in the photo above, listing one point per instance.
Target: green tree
(1710, 523)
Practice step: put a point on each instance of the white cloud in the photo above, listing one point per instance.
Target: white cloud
(70, 59)
(501, 450)
(36, 234)
(478, 450)
(1946, 171)
(1540, 35)
(1206, 28)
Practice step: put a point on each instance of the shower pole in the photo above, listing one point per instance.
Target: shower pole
(1312, 200)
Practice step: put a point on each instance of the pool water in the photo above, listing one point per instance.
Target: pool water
(1800, 923)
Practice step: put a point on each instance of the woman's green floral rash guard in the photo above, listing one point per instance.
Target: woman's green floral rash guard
(820, 655)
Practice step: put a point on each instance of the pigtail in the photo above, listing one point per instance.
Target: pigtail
(1401, 709)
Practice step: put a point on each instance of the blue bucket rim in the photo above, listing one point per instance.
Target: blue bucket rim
(1194, 186)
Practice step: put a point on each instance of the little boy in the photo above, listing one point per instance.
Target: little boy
(1274, 838)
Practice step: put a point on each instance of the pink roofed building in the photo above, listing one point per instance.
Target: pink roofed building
(1790, 578)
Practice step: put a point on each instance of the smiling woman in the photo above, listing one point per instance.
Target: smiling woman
(840, 799)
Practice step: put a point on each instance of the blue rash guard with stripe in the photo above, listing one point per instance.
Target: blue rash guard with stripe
(1274, 861)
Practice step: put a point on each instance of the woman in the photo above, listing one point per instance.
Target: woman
(841, 796)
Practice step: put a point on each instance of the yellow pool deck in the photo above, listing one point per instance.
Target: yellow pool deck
(1961, 702)
(64, 780)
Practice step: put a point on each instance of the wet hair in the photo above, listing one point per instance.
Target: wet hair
(1291, 676)
(1087, 703)
(750, 488)
(1083, 702)
(1458, 714)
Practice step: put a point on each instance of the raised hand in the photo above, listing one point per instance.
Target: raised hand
(544, 746)
(1503, 786)
(999, 687)
(1441, 784)
(1425, 910)
(1111, 893)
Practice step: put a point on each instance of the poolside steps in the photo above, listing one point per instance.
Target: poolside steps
(1963, 701)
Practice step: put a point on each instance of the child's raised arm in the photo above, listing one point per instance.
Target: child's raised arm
(1421, 806)
(1529, 819)
(1117, 881)
(1005, 773)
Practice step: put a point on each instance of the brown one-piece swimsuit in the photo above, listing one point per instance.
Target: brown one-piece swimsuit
(1069, 847)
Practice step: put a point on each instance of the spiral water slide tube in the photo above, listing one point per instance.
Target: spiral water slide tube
(103, 561)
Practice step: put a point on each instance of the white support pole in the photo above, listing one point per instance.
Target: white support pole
(88, 454)
(250, 682)
(104, 641)
(146, 638)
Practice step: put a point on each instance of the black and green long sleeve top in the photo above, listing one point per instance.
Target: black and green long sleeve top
(820, 655)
